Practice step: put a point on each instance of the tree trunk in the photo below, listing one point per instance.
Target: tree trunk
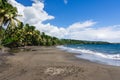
(1, 22)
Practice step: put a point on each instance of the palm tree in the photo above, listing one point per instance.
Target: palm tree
(2, 2)
(14, 36)
(29, 34)
(36, 37)
(8, 14)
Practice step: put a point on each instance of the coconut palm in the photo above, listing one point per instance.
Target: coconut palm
(14, 36)
(36, 37)
(8, 14)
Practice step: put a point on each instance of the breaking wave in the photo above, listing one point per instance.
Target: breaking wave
(110, 59)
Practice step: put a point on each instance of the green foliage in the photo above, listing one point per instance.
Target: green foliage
(8, 14)
(71, 41)
(26, 35)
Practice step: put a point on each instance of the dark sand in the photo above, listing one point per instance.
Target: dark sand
(49, 63)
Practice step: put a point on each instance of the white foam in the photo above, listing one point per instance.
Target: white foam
(111, 59)
(104, 55)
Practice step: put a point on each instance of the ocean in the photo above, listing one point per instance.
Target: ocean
(101, 53)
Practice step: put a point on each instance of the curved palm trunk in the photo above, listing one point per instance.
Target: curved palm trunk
(1, 22)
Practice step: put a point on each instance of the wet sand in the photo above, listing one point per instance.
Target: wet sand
(50, 63)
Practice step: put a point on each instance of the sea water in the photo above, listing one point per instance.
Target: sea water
(101, 53)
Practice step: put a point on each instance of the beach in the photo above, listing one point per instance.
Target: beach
(51, 63)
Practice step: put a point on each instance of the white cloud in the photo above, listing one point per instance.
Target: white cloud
(37, 1)
(79, 26)
(110, 34)
(36, 14)
(65, 1)
(32, 14)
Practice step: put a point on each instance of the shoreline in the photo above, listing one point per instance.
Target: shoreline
(50, 63)
(92, 56)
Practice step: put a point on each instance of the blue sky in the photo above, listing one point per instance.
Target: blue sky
(74, 19)
(105, 12)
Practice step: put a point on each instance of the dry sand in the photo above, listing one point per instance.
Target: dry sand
(50, 63)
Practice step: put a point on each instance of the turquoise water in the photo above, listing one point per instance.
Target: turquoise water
(101, 53)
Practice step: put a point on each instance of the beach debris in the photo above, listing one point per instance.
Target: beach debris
(64, 70)
(54, 71)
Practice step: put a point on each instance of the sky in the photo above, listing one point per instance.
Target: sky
(95, 20)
